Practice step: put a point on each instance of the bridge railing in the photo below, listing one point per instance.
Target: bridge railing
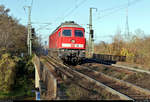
(44, 80)
(50, 83)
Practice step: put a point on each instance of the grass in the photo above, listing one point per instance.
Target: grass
(18, 93)
(77, 92)
(121, 75)
(74, 92)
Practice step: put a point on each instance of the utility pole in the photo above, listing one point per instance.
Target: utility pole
(127, 24)
(29, 39)
(91, 31)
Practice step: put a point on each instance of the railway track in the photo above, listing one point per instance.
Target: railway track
(130, 68)
(135, 77)
(124, 90)
(131, 90)
(87, 82)
(123, 67)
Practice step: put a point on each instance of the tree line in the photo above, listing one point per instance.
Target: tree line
(13, 35)
(16, 72)
(134, 46)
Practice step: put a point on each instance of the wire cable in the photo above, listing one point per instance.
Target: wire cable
(31, 5)
(70, 11)
(118, 8)
(77, 6)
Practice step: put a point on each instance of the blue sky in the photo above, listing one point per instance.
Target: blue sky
(110, 16)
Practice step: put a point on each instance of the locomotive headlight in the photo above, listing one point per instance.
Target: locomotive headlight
(73, 41)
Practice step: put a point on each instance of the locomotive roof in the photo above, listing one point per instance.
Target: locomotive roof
(67, 24)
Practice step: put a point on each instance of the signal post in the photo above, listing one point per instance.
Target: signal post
(91, 32)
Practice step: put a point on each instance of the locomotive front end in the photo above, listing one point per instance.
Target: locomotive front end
(73, 44)
(68, 42)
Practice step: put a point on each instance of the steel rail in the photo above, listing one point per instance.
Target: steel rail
(123, 67)
(130, 68)
(142, 90)
(107, 88)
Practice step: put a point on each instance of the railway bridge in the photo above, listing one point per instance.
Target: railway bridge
(51, 73)
(46, 82)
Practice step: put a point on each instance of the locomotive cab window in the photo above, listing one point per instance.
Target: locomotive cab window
(78, 33)
(66, 32)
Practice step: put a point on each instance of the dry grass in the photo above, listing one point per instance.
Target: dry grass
(84, 91)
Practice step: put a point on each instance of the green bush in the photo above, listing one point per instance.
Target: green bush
(7, 72)
(16, 77)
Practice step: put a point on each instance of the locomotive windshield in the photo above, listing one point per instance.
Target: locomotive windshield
(66, 33)
(78, 33)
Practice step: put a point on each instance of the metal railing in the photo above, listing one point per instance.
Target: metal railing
(105, 57)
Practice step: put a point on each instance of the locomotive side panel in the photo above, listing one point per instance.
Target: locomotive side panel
(54, 42)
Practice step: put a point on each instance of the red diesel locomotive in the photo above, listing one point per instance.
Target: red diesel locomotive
(68, 42)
